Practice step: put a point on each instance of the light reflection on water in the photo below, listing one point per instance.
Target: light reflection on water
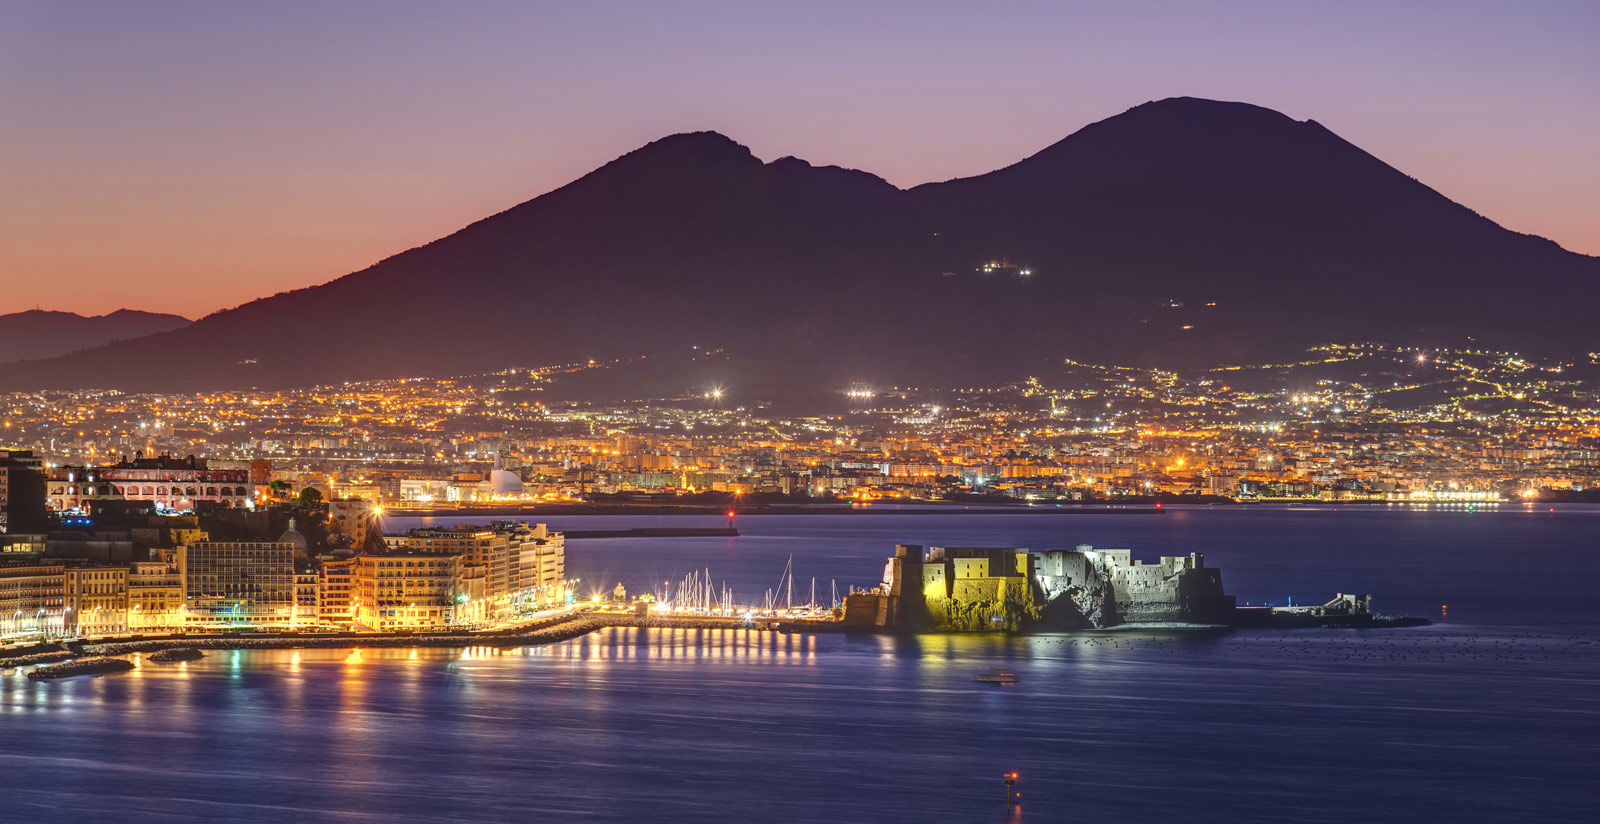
(1494, 716)
(684, 722)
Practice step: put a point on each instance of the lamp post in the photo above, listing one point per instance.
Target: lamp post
(1013, 797)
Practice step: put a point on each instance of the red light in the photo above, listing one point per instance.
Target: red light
(730, 513)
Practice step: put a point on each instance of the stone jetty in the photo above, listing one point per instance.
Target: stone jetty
(95, 665)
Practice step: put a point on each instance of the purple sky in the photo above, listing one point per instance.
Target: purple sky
(190, 156)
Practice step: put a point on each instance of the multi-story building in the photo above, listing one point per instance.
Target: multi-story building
(335, 592)
(96, 599)
(521, 565)
(472, 604)
(170, 483)
(238, 583)
(353, 521)
(22, 491)
(306, 607)
(541, 565)
(155, 596)
(32, 599)
(477, 547)
(405, 589)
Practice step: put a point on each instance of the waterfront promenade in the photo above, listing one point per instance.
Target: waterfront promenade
(548, 629)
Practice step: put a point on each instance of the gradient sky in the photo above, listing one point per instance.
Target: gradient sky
(191, 156)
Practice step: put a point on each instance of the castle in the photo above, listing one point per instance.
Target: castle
(1007, 589)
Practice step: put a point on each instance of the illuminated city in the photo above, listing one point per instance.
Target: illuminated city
(1362, 422)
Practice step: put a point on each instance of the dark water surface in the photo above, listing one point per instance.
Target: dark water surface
(1492, 714)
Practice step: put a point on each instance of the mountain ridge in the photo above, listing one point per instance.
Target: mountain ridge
(42, 333)
(1181, 231)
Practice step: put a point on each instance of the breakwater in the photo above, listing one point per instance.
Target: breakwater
(651, 532)
(81, 666)
(176, 654)
(37, 658)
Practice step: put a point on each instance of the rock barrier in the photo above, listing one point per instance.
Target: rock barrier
(37, 658)
(82, 666)
(176, 654)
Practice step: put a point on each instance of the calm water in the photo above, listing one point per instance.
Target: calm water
(1493, 714)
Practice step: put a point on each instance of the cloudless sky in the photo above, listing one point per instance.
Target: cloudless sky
(191, 156)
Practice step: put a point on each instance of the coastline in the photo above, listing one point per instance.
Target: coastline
(691, 509)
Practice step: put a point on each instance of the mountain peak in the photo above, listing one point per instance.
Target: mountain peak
(1181, 231)
(1195, 108)
(695, 148)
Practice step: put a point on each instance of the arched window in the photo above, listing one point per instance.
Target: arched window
(211, 491)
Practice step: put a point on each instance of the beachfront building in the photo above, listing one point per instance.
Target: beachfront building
(336, 584)
(521, 566)
(238, 583)
(96, 599)
(405, 590)
(31, 599)
(155, 596)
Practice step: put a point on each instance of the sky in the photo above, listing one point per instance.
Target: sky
(191, 156)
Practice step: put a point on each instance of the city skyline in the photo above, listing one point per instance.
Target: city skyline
(312, 145)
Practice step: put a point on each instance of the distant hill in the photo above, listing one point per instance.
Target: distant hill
(1181, 232)
(42, 334)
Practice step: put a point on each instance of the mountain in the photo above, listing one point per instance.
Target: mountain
(1181, 232)
(42, 334)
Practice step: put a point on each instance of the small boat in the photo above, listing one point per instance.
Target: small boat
(997, 676)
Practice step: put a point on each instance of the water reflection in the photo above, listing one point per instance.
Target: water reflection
(715, 725)
(682, 645)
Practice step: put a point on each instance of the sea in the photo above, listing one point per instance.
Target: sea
(1492, 713)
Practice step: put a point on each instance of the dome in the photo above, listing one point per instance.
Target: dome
(292, 536)
(504, 482)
